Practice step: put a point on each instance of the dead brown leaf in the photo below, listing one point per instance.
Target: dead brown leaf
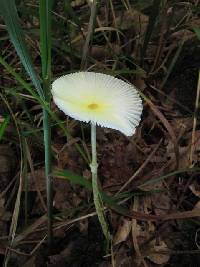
(77, 3)
(156, 255)
(132, 18)
(30, 262)
(123, 231)
(184, 149)
(40, 179)
(195, 188)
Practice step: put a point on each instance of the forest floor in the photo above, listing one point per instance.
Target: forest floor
(152, 177)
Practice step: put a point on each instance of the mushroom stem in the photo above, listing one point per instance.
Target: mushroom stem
(96, 193)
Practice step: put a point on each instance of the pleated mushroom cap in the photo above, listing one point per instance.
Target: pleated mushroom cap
(100, 99)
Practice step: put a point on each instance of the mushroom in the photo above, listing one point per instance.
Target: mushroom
(101, 100)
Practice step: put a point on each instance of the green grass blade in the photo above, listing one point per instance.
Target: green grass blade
(43, 104)
(197, 31)
(80, 180)
(109, 200)
(45, 38)
(45, 50)
(3, 126)
(163, 177)
(19, 79)
(71, 14)
(74, 178)
(150, 28)
(9, 14)
(172, 63)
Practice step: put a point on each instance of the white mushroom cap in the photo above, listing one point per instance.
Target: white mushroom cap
(100, 99)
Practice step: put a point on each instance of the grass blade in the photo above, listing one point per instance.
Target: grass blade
(152, 21)
(9, 13)
(45, 39)
(89, 34)
(74, 178)
(3, 126)
(43, 104)
(163, 177)
(172, 63)
(197, 31)
(80, 180)
(45, 49)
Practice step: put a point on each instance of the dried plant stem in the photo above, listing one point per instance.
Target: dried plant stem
(90, 33)
(195, 122)
(96, 193)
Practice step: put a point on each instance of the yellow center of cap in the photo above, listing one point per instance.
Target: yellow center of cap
(93, 106)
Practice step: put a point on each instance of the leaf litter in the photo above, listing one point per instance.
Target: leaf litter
(161, 211)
